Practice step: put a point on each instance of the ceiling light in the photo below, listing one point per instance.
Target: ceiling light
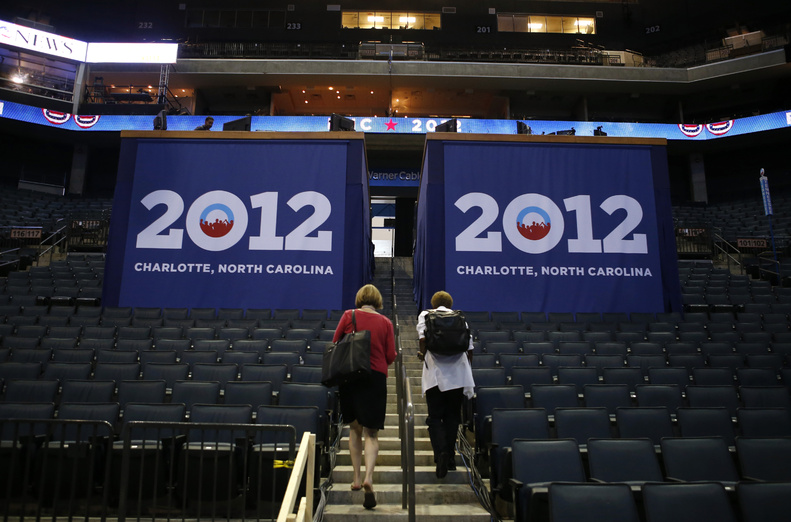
(18, 78)
(407, 19)
(331, 88)
(376, 18)
(583, 22)
(534, 26)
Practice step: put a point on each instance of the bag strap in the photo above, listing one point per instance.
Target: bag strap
(354, 323)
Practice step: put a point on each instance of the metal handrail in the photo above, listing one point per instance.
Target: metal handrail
(719, 241)
(409, 472)
(406, 425)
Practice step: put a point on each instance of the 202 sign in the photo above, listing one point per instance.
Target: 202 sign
(534, 224)
(218, 220)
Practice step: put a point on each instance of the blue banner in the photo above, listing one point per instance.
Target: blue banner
(238, 223)
(545, 227)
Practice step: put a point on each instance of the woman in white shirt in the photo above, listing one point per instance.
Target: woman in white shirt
(447, 379)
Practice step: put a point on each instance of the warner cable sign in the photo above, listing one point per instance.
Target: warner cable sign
(41, 41)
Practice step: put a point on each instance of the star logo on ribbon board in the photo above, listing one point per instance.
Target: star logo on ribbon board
(391, 125)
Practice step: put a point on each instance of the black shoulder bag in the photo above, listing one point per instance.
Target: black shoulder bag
(348, 359)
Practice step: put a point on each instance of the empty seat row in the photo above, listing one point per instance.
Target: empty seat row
(613, 395)
(549, 482)
(275, 372)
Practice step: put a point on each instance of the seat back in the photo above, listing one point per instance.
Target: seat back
(144, 412)
(623, 460)
(592, 503)
(705, 502)
(254, 393)
(652, 423)
(543, 461)
(763, 502)
(219, 414)
(303, 418)
(582, 424)
(764, 422)
(698, 459)
(706, 422)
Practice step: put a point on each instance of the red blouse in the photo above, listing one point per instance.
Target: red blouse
(383, 351)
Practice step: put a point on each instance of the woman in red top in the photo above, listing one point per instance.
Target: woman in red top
(363, 402)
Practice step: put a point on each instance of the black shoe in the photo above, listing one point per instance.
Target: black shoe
(451, 464)
(442, 465)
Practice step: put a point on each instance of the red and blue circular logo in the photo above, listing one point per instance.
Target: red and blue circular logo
(538, 220)
(216, 220)
(533, 223)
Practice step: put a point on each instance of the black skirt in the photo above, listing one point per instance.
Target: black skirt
(365, 401)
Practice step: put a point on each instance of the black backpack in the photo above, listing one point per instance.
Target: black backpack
(447, 332)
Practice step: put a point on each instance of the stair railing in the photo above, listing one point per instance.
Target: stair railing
(406, 425)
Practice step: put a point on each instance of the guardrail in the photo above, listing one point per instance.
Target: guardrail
(52, 468)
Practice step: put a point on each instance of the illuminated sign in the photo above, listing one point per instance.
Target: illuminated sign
(41, 41)
(387, 125)
(131, 53)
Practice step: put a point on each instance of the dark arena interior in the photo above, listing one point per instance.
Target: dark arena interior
(192, 193)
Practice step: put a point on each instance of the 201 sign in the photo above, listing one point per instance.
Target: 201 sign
(534, 224)
(218, 220)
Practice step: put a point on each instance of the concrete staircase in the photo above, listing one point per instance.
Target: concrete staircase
(437, 499)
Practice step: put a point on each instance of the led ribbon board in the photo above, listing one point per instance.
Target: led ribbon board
(546, 226)
(241, 223)
(669, 131)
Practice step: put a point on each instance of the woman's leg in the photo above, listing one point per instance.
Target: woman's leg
(356, 450)
(371, 453)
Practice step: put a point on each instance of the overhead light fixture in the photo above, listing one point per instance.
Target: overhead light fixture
(376, 18)
(18, 78)
(583, 23)
(534, 26)
(407, 19)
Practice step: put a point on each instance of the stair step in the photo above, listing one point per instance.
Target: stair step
(389, 443)
(394, 513)
(341, 493)
(392, 457)
(342, 474)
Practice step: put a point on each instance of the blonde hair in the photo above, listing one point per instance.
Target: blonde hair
(441, 298)
(368, 295)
